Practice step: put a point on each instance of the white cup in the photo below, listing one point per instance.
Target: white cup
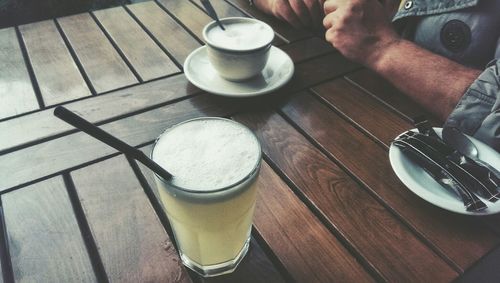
(242, 50)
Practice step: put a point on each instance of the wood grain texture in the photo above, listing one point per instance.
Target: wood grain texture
(43, 124)
(321, 69)
(309, 252)
(385, 92)
(101, 62)
(18, 164)
(361, 108)
(141, 51)
(391, 248)
(462, 240)
(172, 36)
(44, 239)
(75, 149)
(283, 29)
(57, 75)
(188, 14)
(306, 49)
(131, 241)
(16, 92)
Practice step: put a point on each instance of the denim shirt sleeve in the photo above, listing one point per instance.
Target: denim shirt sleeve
(478, 112)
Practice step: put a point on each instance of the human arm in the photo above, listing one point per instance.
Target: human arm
(361, 30)
(298, 13)
(465, 98)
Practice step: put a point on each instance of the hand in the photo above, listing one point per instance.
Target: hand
(298, 13)
(359, 29)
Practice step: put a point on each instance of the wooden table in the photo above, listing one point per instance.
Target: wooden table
(330, 208)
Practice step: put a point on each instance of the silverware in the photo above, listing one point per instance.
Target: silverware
(456, 139)
(211, 12)
(441, 175)
(472, 176)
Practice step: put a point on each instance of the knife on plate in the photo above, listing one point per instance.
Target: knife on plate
(470, 175)
(443, 177)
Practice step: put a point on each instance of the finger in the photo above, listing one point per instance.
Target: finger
(329, 20)
(329, 35)
(285, 13)
(330, 6)
(300, 9)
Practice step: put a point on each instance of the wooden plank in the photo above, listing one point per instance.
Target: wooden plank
(44, 124)
(188, 14)
(57, 75)
(388, 94)
(141, 51)
(283, 29)
(44, 238)
(101, 62)
(460, 239)
(131, 241)
(356, 215)
(300, 241)
(361, 108)
(41, 125)
(307, 49)
(72, 150)
(172, 36)
(50, 157)
(16, 92)
(320, 69)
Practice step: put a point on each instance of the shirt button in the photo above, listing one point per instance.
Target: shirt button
(456, 36)
(408, 5)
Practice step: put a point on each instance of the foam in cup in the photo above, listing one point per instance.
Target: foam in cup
(208, 154)
(241, 35)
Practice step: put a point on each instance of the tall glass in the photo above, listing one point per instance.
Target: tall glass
(211, 198)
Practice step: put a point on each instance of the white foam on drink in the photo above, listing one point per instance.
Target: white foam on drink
(241, 35)
(206, 155)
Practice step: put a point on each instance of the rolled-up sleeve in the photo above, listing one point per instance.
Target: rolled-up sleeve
(478, 111)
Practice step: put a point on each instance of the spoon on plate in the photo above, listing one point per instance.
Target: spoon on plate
(459, 141)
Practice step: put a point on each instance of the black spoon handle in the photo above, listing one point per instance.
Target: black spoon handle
(96, 132)
(211, 11)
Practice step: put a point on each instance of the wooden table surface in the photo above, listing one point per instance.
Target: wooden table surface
(329, 209)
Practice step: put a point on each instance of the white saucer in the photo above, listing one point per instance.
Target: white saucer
(278, 71)
(422, 184)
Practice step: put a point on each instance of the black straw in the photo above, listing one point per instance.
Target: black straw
(87, 127)
(211, 12)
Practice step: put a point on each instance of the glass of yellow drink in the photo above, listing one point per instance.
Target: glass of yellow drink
(211, 198)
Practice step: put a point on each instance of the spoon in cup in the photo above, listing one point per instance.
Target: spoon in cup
(211, 12)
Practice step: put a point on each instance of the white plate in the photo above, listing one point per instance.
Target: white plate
(277, 72)
(422, 184)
